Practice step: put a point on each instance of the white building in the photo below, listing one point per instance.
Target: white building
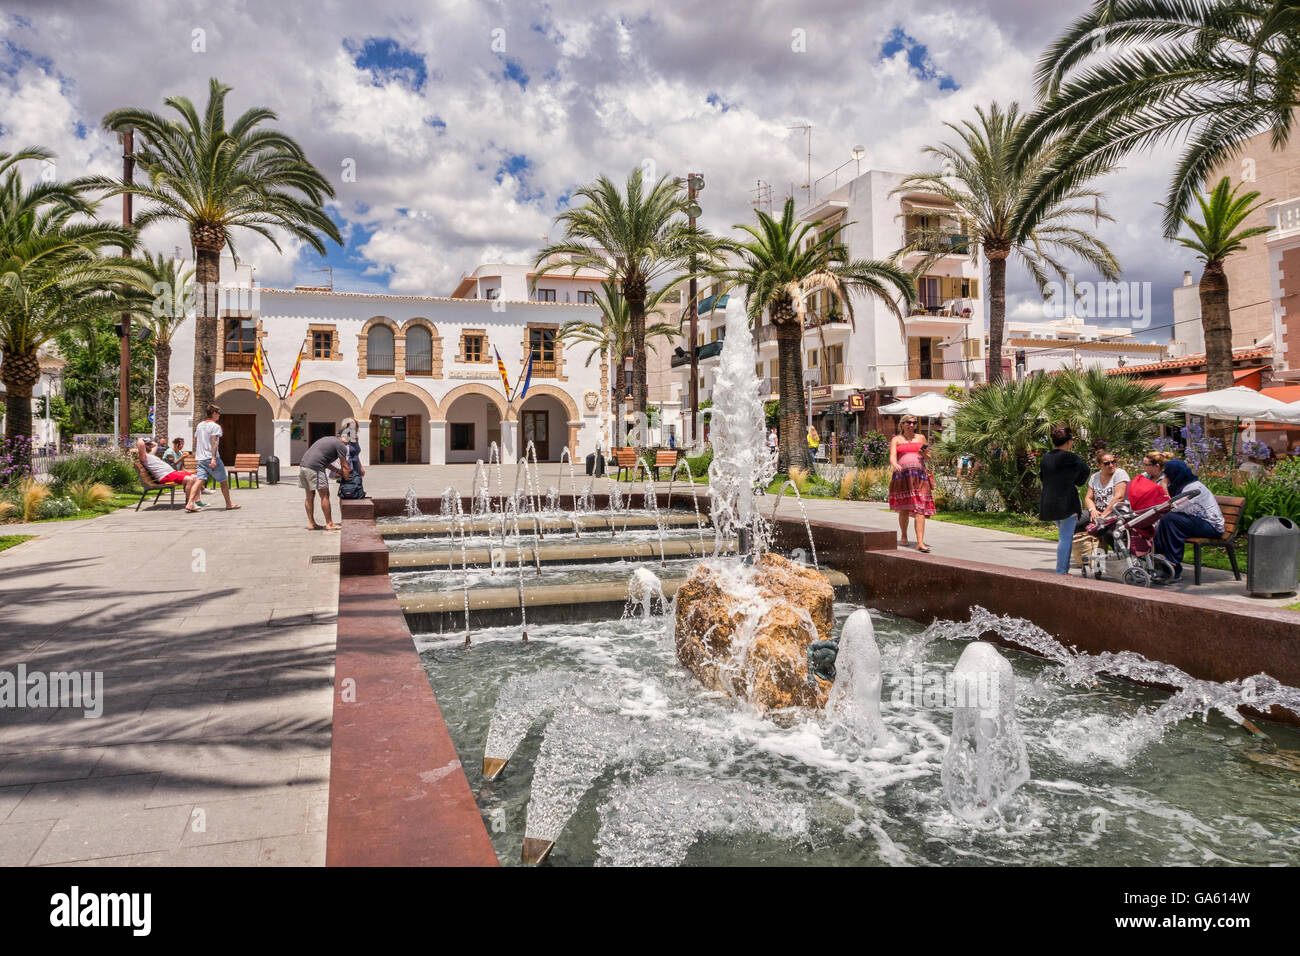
(1055, 344)
(878, 356)
(1187, 337)
(418, 373)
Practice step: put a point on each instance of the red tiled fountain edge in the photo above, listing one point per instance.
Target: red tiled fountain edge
(398, 794)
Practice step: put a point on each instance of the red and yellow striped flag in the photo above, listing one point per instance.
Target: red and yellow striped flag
(258, 372)
(501, 367)
(297, 367)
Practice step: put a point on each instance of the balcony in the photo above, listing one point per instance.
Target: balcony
(930, 241)
(709, 303)
(238, 361)
(379, 363)
(707, 351)
(1284, 217)
(543, 368)
(419, 363)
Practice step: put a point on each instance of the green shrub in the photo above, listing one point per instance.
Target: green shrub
(699, 465)
(57, 507)
(106, 467)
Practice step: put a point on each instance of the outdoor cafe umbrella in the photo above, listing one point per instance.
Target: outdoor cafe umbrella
(1235, 403)
(926, 405)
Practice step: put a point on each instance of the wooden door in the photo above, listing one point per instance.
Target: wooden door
(534, 425)
(413, 449)
(238, 437)
(374, 439)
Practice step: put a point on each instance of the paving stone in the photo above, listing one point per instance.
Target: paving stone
(246, 818)
(19, 841)
(305, 850)
(97, 834)
(65, 798)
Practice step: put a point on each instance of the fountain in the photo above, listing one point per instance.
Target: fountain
(412, 502)
(986, 760)
(854, 701)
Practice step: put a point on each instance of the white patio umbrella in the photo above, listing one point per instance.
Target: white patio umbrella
(1233, 403)
(926, 405)
(1288, 414)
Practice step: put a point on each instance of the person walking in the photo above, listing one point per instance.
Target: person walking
(911, 490)
(314, 472)
(1196, 517)
(207, 441)
(1061, 472)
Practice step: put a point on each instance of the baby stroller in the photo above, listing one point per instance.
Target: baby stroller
(1129, 532)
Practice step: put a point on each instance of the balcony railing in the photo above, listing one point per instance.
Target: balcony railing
(544, 368)
(379, 363)
(930, 240)
(1284, 217)
(419, 363)
(238, 361)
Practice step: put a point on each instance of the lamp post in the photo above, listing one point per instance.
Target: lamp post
(694, 183)
(124, 377)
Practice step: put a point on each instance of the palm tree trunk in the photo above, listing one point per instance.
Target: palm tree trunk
(20, 372)
(162, 357)
(997, 307)
(1216, 321)
(640, 392)
(792, 434)
(207, 337)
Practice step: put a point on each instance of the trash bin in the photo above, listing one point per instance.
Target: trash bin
(272, 470)
(1272, 556)
(591, 463)
(600, 465)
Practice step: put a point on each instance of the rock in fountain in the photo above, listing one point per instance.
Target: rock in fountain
(854, 700)
(746, 630)
(986, 760)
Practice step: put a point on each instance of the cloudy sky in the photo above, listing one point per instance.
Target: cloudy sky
(469, 124)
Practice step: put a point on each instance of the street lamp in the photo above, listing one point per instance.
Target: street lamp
(859, 153)
(694, 184)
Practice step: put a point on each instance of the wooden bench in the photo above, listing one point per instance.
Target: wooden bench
(665, 459)
(1231, 508)
(247, 464)
(625, 459)
(148, 484)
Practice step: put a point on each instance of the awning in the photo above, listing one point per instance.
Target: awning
(931, 207)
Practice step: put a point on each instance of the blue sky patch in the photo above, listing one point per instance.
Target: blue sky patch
(514, 71)
(389, 62)
(918, 58)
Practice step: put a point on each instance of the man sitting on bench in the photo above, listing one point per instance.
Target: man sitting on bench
(158, 469)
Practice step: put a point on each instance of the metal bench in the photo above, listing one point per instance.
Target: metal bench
(1231, 508)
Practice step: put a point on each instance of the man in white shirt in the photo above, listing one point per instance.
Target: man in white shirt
(207, 440)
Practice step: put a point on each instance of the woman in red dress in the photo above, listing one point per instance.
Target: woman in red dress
(910, 489)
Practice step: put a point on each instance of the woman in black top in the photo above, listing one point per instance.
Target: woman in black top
(1062, 471)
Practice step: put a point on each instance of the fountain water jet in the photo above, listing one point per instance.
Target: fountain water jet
(854, 700)
(986, 761)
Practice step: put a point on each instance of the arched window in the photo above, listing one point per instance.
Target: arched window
(419, 351)
(379, 350)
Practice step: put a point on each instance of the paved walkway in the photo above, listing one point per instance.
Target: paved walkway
(215, 637)
(944, 538)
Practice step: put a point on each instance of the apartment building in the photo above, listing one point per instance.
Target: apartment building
(852, 366)
(1055, 344)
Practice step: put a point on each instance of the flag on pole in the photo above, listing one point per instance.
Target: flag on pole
(258, 372)
(501, 367)
(528, 377)
(297, 367)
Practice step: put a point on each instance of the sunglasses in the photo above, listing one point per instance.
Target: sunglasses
(1108, 461)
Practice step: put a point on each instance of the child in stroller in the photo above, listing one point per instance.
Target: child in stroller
(1129, 532)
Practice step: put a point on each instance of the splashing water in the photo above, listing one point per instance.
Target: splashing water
(790, 483)
(854, 700)
(642, 589)
(986, 760)
(654, 822)
(1193, 697)
(412, 502)
(524, 698)
(741, 463)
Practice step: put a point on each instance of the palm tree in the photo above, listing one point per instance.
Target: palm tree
(778, 270)
(215, 179)
(1131, 74)
(161, 302)
(611, 337)
(1116, 412)
(990, 180)
(52, 276)
(1215, 238)
(637, 238)
(1004, 425)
